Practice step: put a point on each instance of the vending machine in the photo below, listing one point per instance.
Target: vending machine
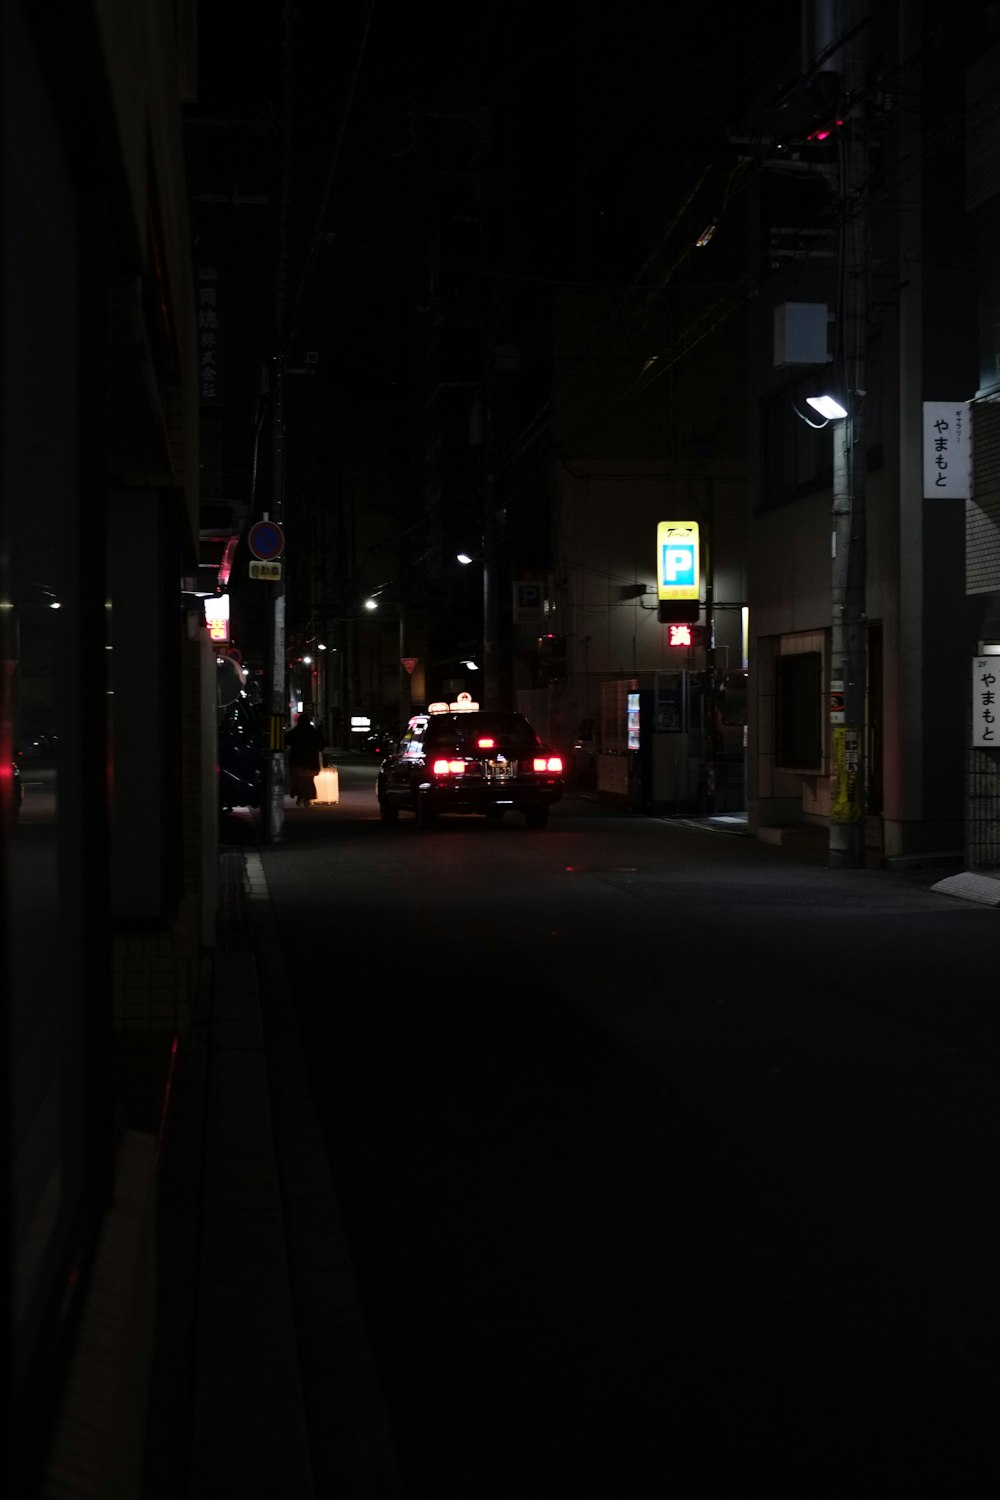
(640, 721)
(652, 751)
(628, 727)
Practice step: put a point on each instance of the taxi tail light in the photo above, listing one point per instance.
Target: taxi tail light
(448, 767)
(552, 763)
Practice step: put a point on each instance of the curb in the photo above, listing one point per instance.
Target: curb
(249, 1434)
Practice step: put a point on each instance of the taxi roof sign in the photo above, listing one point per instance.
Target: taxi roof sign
(463, 704)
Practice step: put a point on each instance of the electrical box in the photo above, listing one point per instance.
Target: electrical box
(801, 334)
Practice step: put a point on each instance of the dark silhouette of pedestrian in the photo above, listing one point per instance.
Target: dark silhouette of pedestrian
(305, 745)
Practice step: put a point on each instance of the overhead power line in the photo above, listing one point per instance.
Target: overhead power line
(318, 233)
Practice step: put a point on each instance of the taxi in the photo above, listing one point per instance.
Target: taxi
(458, 758)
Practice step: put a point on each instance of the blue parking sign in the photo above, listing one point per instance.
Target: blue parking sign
(528, 602)
(677, 563)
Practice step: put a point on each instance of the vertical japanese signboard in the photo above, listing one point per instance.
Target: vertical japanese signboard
(947, 450)
(210, 372)
(985, 675)
(845, 775)
(217, 617)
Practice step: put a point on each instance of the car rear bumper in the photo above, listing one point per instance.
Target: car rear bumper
(485, 797)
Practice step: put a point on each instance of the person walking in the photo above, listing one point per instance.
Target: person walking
(305, 745)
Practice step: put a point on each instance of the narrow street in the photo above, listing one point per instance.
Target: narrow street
(667, 1162)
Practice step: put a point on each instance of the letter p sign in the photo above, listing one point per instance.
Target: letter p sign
(678, 564)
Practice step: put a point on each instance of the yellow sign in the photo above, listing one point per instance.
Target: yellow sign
(845, 789)
(678, 560)
(268, 570)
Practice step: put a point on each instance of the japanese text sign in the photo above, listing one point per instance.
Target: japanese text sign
(947, 448)
(210, 373)
(985, 677)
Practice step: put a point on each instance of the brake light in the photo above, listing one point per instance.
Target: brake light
(448, 767)
(551, 763)
(486, 744)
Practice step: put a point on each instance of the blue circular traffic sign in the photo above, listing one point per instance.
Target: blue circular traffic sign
(266, 540)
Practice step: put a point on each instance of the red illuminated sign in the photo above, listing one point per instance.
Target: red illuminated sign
(680, 635)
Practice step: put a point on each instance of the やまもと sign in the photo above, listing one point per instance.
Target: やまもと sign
(985, 676)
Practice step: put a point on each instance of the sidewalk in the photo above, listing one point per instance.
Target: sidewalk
(263, 1382)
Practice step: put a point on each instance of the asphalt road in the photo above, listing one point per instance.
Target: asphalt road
(668, 1164)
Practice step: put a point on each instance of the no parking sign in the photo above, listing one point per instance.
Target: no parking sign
(266, 540)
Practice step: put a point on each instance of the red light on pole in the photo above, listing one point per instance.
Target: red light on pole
(824, 132)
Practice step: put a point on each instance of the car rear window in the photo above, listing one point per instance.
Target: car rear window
(508, 731)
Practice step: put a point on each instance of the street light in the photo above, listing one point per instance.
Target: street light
(827, 407)
(487, 556)
(371, 604)
(848, 628)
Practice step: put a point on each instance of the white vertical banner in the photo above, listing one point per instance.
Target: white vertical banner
(947, 450)
(985, 713)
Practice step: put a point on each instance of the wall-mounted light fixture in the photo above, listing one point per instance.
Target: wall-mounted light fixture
(827, 407)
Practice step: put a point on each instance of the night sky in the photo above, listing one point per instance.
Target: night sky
(373, 86)
(362, 79)
(587, 102)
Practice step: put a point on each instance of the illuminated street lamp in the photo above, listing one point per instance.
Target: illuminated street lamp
(488, 558)
(827, 407)
(371, 604)
(848, 618)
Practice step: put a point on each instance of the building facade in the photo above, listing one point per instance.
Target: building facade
(872, 572)
(812, 212)
(109, 828)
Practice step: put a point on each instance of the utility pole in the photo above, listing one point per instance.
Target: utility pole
(848, 623)
(273, 807)
(403, 710)
(711, 673)
(491, 560)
